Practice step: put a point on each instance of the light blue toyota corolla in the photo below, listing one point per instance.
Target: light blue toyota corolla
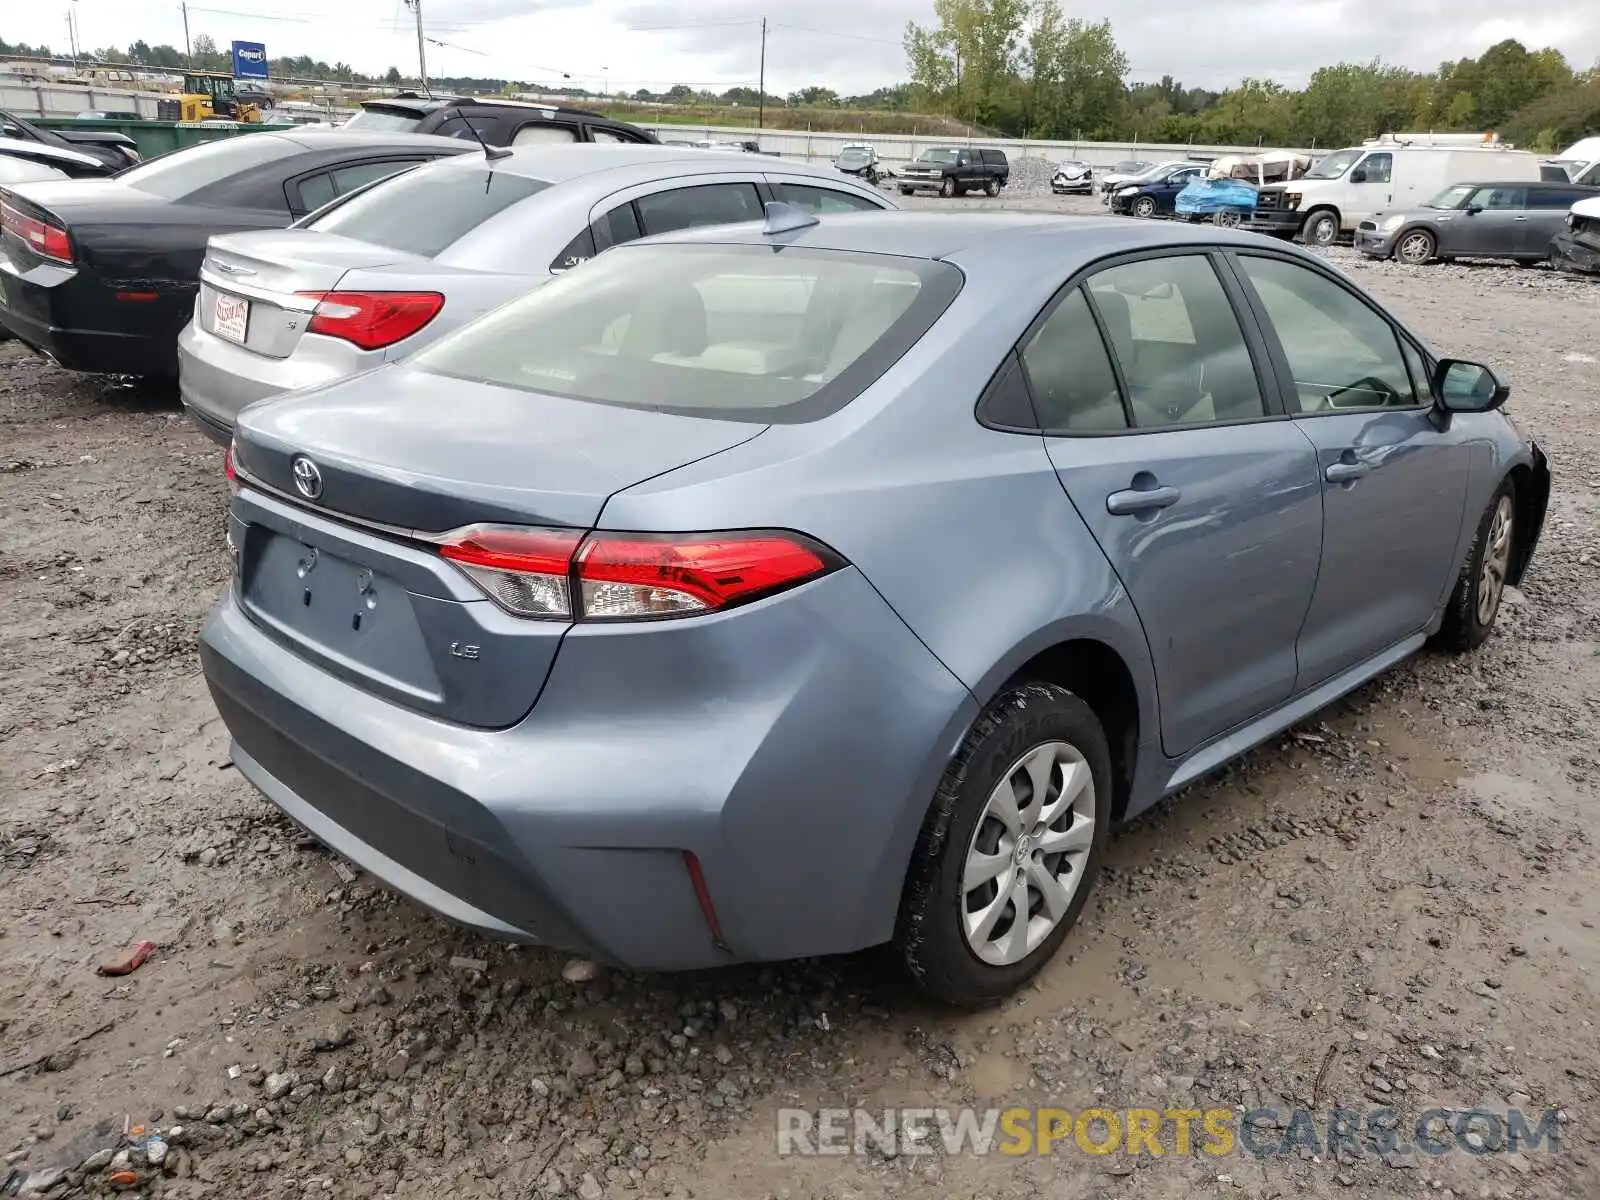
(781, 590)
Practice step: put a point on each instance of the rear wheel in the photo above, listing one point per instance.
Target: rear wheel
(1475, 602)
(1416, 247)
(1144, 206)
(992, 188)
(1321, 228)
(1010, 847)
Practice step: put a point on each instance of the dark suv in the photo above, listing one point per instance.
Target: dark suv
(497, 122)
(951, 171)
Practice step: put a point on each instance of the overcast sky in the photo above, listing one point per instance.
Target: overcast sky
(849, 45)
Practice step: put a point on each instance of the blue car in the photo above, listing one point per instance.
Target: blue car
(786, 588)
(1155, 193)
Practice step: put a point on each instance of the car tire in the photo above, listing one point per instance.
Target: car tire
(1144, 206)
(1416, 247)
(1031, 730)
(992, 188)
(1321, 228)
(947, 189)
(1480, 589)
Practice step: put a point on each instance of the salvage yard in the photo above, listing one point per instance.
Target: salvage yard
(1392, 906)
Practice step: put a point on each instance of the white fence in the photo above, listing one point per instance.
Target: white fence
(56, 100)
(902, 147)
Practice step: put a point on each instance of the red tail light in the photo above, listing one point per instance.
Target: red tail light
(631, 576)
(230, 470)
(44, 239)
(372, 320)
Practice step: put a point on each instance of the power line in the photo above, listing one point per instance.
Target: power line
(855, 37)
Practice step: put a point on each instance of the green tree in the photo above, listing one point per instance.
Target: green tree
(967, 63)
(392, 76)
(1076, 74)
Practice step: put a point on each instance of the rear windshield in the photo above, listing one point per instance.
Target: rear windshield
(737, 332)
(184, 172)
(423, 211)
(391, 120)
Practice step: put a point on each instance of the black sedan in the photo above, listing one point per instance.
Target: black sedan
(49, 162)
(1156, 193)
(100, 274)
(115, 150)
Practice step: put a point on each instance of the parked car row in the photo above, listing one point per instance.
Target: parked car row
(593, 512)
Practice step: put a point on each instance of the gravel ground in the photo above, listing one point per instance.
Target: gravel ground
(1393, 905)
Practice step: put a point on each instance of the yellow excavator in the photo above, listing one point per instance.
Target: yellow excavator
(208, 95)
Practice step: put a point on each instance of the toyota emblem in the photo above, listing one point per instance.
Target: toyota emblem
(307, 479)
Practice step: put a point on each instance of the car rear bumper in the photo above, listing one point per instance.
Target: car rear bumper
(217, 379)
(45, 319)
(792, 747)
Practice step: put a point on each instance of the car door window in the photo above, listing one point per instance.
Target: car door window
(1499, 199)
(1341, 354)
(711, 204)
(1378, 167)
(607, 135)
(541, 133)
(1182, 357)
(1069, 372)
(1591, 177)
(823, 200)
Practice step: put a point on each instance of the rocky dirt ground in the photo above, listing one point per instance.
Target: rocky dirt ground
(1394, 905)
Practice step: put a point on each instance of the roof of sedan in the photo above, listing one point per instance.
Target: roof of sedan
(923, 234)
(314, 138)
(557, 163)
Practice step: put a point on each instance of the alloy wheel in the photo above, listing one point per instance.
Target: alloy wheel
(1415, 248)
(1496, 561)
(1145, 207)
(1026, 859)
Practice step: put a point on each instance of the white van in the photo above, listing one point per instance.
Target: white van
(1579, 162)
(1354, 185)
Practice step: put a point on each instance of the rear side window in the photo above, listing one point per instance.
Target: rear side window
(358, 175)
(1554, 198)
(469, 129)
(1069, 372)
(424, 211)
(608, 135)
(576, 252)
(823, 200)
(541, 133)
(184, 172)
(390, 120)
(736, 332)
(621, 225)
(685, 208)
(1173, 333)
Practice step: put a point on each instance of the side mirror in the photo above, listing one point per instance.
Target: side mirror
(1359, 175)
(1474, 209)
(1468, 387)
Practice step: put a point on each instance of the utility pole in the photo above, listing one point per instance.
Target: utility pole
(188, 52)
(72, 42)
(422, 58)
(761, 83)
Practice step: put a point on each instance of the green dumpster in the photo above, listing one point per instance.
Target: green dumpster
(158, 137)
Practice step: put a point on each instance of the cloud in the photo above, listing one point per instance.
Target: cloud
(852, 46)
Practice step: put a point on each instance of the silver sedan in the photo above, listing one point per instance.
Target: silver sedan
(372, 276)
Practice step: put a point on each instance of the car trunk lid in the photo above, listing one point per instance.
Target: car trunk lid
(346, 570)
(251, 284)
